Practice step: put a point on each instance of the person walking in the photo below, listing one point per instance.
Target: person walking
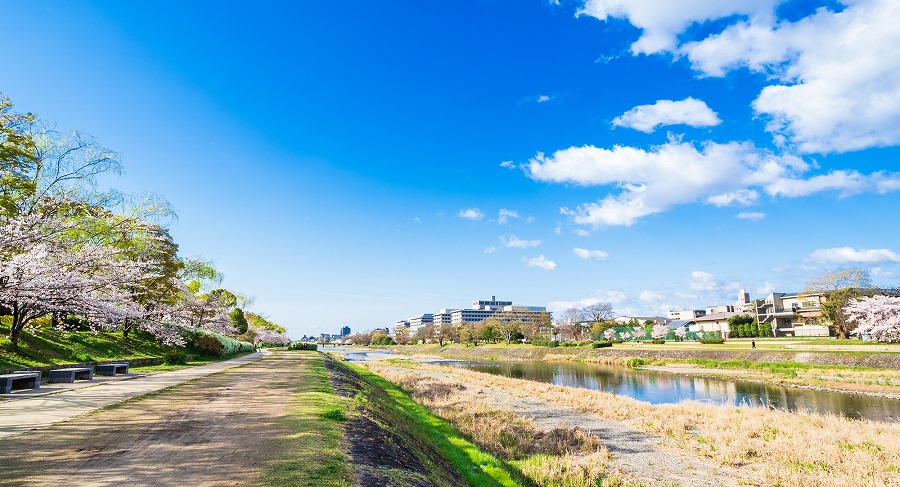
(752, 343)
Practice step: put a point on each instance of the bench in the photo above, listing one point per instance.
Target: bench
(71, 374)
(19, 380)
(111, 369)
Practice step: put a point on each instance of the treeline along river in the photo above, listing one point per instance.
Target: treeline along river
(665, 387)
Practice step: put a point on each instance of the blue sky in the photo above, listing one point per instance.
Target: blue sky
(325, 154)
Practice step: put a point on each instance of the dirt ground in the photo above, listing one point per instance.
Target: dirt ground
(217, 431)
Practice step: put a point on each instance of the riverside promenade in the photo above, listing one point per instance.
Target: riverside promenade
(25, 413)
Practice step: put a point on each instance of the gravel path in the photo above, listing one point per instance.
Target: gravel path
(640, 455)
(220, 430)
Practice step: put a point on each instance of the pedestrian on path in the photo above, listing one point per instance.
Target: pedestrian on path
(752, 343)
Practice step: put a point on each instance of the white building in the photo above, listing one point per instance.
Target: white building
(685, 314)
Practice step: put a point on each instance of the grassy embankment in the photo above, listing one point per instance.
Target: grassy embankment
(315, 454)
(771, 447)
(48, 346)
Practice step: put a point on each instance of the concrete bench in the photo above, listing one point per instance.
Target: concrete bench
(71, 374)
(19, 380)
(111, 369)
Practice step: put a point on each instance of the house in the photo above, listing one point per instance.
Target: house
(792, 314)
(711, 323)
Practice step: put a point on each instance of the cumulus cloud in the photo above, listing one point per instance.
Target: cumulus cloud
(652, 296)
(647, 118)
(751, 215)
(704, 281)
(600, 296)
(590, 254)
(849, 255)
(542, 262)
(471, 214)
(518, 243)
(505, 215)
(833, 74)
(508, 164)
(675, 173)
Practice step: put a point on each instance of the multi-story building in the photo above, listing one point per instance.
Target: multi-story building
(345, 331)
(443, 317)
(686, 314)
(792, 314)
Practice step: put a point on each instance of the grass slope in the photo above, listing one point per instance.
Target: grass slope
(48, 346)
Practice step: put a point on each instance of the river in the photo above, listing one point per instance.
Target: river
(668, 388)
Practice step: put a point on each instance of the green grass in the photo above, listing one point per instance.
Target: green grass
(477, 466)
(312, 456)
(785, 368)
(47, 346)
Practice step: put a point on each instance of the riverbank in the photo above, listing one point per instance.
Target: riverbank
(734, 445)
(873, 373)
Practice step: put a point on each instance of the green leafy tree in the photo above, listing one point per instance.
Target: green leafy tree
(239, 321)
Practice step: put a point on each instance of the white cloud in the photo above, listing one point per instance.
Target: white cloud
(582, 232)
(879, 273)
(848, 255)
(471, 214)
(508, 164)
(647, 118)
(543, 99)
(676, 173)
(704, 281)
(663, 20)
(833, 74)
(590, 254)
(612, 297)
(515, 242)
(490, 250)
(765, 290)
(505, 215)
(743, 197)
(542, 262)
(751, 215)
(557, 230)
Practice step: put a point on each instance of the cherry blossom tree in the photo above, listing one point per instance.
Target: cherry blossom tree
(271, 337)
(626, 336)
(639, 332)
(609, 334)
(659, 332)
(877, 317)
(680, 333)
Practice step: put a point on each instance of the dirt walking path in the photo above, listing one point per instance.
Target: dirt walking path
(219, 430)
(642, 456)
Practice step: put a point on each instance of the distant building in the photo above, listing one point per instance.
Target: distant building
(443, 317)
(345, 331)
(792, 314)
(657, 320)
(686, 314)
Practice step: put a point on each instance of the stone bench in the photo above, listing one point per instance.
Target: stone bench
(71, 374)
(19, 380)
(111, 369)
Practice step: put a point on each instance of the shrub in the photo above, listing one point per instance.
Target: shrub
(210, 346)
(636, 362)
(175, 357)
(543, 342)
(657, 342)
(302, 346)
(383, 340)
(617, 341)
(712, 340)
(599, 344)
(230, 345)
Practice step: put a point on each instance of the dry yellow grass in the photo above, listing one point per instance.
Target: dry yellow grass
(773, 447)
(565, 457)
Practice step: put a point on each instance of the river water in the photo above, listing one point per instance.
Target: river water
(666, 387)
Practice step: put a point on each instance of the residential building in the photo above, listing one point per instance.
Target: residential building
(792, 314)
(711, 323)
(417, 322)
(686, 314)
(443, 317)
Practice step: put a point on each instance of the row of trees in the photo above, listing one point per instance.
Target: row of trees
(75, 253)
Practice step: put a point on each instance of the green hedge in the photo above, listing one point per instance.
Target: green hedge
(599, 344)
(230, 346)
(713, 340)
(302, 346)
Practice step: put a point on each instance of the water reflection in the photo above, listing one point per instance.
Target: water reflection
(667, 388)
